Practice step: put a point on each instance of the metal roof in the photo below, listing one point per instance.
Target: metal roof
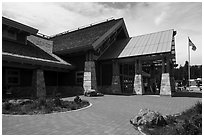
(159, 42)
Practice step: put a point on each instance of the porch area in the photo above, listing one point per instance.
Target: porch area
(140, 65)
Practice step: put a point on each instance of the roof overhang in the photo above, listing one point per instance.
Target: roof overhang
(19, 26)
(34, 61)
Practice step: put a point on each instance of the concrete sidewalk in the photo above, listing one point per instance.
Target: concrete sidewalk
(109, 115)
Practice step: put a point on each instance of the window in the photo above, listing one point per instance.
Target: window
(79, 78)
(12, 77)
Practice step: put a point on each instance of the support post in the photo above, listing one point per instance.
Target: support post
(38, 83)
(165, 78)
(138, 81)
(89, 74)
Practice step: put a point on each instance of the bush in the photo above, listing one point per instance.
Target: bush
(198, 107)
(57, 101)
(6, 106)
(41, 106)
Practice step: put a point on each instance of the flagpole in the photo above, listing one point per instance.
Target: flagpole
(188, 65)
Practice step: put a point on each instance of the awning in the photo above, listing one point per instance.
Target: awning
(149, 44)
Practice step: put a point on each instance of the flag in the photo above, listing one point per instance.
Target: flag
(190, 43)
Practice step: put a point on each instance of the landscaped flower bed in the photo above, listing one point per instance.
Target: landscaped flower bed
(41, 106)
(188, 122)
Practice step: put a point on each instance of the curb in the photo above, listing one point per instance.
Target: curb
(90, 104)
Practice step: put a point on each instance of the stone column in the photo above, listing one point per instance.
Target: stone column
(165, 78)
(116, 87)
(138, 81)
(172, 80)
(38, 83)
(89, 76)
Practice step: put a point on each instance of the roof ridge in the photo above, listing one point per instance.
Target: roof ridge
(82, 27)
(151, 33)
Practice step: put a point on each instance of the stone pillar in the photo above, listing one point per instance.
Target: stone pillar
(172, 80)
(116, 87)
(38, 83)
(165, 88)
(89, 76)
(138, 81)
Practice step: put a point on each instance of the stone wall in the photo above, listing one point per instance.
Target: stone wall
(89, 76)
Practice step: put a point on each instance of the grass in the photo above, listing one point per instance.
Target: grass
(39, 106)
(189, 122)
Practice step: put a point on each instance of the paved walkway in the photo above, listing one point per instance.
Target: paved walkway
(108, 115)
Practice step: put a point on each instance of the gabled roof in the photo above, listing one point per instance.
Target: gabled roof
(25, 50)
(30, 53)
(45, 45)
(153, 43)
(19, 26)
(86, 38)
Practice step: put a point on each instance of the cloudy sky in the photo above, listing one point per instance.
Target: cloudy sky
(140, 18)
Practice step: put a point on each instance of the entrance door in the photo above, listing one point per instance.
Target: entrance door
(127, 73)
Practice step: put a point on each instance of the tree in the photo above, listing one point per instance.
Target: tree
(181, 73)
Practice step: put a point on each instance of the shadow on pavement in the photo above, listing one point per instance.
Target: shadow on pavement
(188, 94)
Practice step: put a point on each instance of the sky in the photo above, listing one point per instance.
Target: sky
(140, 18)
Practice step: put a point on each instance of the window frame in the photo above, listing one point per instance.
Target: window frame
(8, 75)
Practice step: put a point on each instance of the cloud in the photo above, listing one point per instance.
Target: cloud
(119, 5)
(158, 20)
(92, 10)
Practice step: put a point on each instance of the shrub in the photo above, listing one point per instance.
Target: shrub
(6, 106)
(57, 101)
(189, 128)
(198, 107)
(41, 106)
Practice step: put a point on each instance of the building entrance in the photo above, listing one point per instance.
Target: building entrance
(127, 73)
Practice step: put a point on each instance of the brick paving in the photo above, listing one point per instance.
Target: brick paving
(109, 115)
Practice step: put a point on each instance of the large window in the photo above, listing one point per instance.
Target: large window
(79, 78)
(12, 77)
